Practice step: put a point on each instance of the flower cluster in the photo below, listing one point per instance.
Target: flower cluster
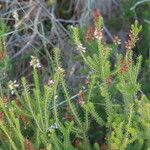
(80, 99)
(52, 127)
(28, 144)
(98, 34)
(133, 36)
(89, 34)
(117, 40)
(12, 85)
(81, 48)
(124, 67)
(55, 97)
(50, 82)
(130, 44)
(35, 63)
(96, 15)
(1, 116)
(2, 55)
(94, 31)
(60, 70)
(24, 119)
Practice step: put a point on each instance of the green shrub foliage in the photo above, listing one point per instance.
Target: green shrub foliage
(111, 113)
(4, 58)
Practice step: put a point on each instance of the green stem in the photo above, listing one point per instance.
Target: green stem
(10, 139)
(27, 99)
(37, 95)
(47, 93)
(70, 104)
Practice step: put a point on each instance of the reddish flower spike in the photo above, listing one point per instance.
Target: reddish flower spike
(96, 14)
(2, 55)
(1, 116)
(80, 100)
(89, 34)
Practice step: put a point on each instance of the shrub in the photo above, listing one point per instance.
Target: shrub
(112, 113)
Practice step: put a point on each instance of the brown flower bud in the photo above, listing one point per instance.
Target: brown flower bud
(1, 116)
(96, 14)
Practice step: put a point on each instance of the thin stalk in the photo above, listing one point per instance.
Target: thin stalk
(37, 95)
(88, 99)
(70, 104)
(46, 107)
(8, 116)
(27, 99)
(55, 100)
(17, 130)
(10, 139)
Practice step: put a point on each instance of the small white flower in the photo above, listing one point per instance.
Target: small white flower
(56, 96)
(12, 92)
(59, 69)
(50, 82)
(16, 84)
(117, 40)
(81, 48)
(12, 85)
(54, 126)
(35, 63)
(98, 34)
